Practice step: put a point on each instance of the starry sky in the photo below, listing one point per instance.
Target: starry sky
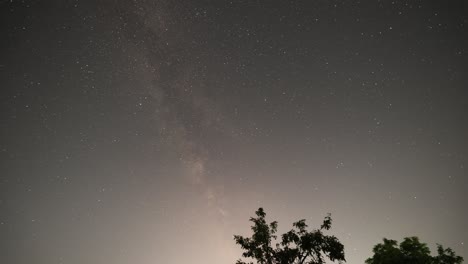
(138, 131)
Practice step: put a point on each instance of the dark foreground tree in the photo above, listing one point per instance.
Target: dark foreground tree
(297, 246)
(411, 251)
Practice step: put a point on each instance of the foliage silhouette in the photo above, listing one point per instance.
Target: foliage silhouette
(411, 251)
(297, 246)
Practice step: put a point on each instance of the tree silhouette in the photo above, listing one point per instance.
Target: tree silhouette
(411, 251)
(297, 246)
(446, 256)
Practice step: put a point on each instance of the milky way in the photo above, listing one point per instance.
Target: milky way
(150, 131)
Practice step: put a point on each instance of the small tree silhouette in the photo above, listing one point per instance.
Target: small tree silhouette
(411, 251)
(297, 246)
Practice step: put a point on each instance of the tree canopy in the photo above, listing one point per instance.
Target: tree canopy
(296, 246)
(411, 251)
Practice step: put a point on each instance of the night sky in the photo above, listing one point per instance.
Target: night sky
(150, 131)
